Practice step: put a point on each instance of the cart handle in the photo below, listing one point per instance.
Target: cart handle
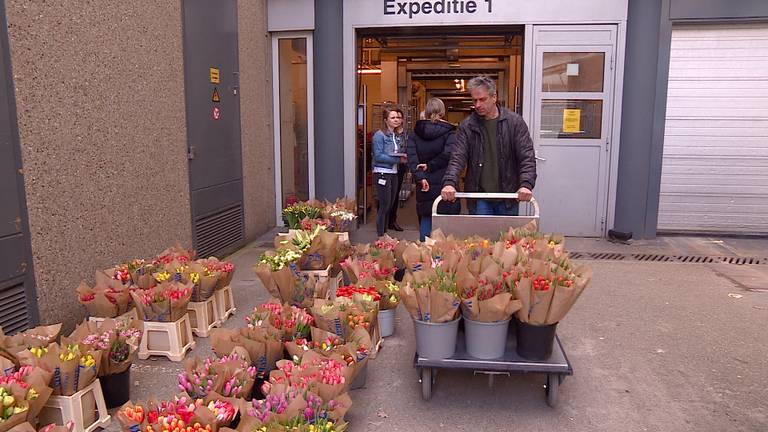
(483, 195)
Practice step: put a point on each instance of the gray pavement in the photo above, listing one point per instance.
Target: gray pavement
(654, 347)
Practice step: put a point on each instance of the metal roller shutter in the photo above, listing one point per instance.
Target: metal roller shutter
(715, 167)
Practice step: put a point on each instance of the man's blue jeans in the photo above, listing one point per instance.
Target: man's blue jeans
(496, 208)
(425, 227)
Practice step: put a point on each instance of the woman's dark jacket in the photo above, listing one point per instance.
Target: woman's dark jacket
(431, 144)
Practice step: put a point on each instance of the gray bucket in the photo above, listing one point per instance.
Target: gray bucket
(359, 381)
(436, 340)
(387, 322)
(486, 340)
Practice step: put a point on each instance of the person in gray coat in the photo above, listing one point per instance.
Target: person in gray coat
(495, 147)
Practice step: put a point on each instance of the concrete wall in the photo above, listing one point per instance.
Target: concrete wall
(256, 117)
(100, 101)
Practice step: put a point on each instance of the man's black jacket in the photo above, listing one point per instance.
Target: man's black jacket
(517, 160)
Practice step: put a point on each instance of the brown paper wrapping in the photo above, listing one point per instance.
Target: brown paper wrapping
(522, 290)
(100, 306)
(14, 421)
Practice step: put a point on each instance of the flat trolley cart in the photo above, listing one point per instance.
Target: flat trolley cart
(555, 368)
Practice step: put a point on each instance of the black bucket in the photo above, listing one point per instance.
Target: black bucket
(399, 274)
(535, 342)
(256, 390)
(116, 388)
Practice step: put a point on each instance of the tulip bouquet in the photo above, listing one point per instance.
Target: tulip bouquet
(314, 224)
(14, 408)
(22, 395)
(165, 302)
(296, 411)
(294, 214)
(203, 278)
(229, 376)
(290, 287)
(118, 340)
(431, 295)
(103, 300)
(73, 366)
(318, 247)
(366, 293)
(141, 272)
(223, 270)
(547, 289)
(364, 270)
(180, 414)
(342, 215)
(291, 321)
(176, 253)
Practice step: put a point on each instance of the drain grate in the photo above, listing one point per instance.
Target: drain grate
(653, 257)
(686, 259)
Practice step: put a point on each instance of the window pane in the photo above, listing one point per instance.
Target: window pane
(571, 119)
(573, 72)
(294, 134)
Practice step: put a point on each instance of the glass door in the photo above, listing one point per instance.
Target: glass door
(294, 119)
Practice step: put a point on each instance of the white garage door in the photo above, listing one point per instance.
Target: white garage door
(715, 169)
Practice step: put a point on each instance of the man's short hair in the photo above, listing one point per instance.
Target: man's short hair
(483, 81)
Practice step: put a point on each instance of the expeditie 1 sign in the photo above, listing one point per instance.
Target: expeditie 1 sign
(413, 8)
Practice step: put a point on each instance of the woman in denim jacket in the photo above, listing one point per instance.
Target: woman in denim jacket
(388, 151)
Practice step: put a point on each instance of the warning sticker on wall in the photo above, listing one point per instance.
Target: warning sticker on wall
(215, 97)
(216, 113)
(572, 120)
(215, 76)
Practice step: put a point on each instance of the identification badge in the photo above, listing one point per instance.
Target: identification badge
(382, 182)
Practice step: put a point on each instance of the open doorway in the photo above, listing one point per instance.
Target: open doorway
(406, 67)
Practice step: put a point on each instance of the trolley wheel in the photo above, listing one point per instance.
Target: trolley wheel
(553, 388)
(426, 383)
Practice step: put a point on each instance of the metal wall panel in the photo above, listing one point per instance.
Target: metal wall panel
(213, 123)
(715, 167)
(18, 304)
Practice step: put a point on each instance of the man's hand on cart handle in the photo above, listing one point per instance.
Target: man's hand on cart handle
(448, 193)
(524, 194)
(424, 186)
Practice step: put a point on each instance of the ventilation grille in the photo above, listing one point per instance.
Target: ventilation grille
(219, 233)
(13, 309)
(686, 259)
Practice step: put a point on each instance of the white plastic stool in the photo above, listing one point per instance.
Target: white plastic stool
(86, 408)
(128, 316)
(204, 316)
(171, 340)
(225, 302)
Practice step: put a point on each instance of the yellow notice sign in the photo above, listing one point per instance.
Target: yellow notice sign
(571, 120)
(215, 97)
(215, 76)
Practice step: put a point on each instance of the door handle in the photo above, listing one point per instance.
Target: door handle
(191, 152)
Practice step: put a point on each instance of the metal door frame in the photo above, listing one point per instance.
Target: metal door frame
(28, 277)
(610, 96)
(276, 36)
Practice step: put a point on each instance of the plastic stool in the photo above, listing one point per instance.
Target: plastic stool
(226, 303)
(171, 340)
(128, 316)
(86, 408)
(203, 316)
